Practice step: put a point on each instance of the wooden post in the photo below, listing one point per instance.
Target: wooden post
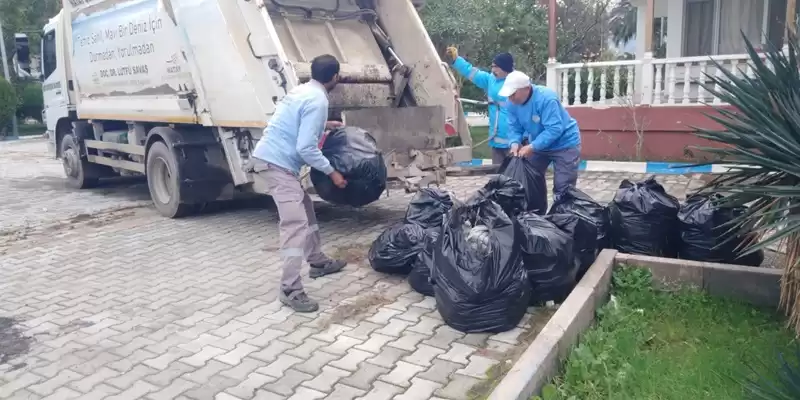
(648, 26)
(791, 19)
(551, 44)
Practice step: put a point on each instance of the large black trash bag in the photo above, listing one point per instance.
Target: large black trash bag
(396, 249)
(428, 207)
(522, 170)
(644, 219)
(479, 291)
(547, 255)
(354, 153)
(584, 237)
(703, 236)
(574, 201)
(420, 275)
(505, 191)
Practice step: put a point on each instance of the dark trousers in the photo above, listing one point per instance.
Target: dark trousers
(565, 166)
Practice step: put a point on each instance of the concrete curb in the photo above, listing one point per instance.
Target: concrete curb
(542, 361)
(646, 167)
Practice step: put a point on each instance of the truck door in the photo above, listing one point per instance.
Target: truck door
(54, 90)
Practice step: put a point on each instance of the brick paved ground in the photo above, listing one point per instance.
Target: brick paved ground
(121, 303)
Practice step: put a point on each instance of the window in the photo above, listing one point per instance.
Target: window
(49, 58)
(735, 18)
(698, 36)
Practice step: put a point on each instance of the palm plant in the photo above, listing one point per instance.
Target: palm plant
(776, 384)
(761, 140)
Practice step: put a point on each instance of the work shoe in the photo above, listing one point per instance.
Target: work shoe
(299, 301)
(330, 267)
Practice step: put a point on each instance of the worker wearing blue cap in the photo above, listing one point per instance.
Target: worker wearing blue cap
(502, 65)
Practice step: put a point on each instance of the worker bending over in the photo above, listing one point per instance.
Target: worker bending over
(535, 113)
(490, 83)
(290, 141)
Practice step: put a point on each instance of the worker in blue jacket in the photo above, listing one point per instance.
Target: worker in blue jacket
(502, 65)
(535, 113)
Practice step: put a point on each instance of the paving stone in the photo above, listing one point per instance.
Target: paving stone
(324, 382)
(86, 384)
(394, 328)
(211, 388)
(330, 334)
(344, 392)
(408, 341)
(272, 351)
(509, 337)
(478, 366)
(458, 387)
(341, 345)
(267, 336)
(288, 382)
(384, 315)
(388, 357)
(241, 371)
(235, 356)
(49, 386)
(440, 371)
(278, 367)
(382, 391)
(176, 388)
(458, 353)
(127, 379)
(318, 360)
(375, 343)
(63, 393)
(444, 337)
(299, 335)
(420, 389)
(262, 394)
(401, 374)
(99, 392)
(163, 378)
(425, 326)
(424, 355)
(307, 348)
(362, 379)
(307, 394)
(205, 373)
(247, 388)
(352, 360)
(138, 390)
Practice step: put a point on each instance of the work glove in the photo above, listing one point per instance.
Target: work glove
(450, 54)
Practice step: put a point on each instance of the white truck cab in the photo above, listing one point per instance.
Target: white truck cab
(181, 90)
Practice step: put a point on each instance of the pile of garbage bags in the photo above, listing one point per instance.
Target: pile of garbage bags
(705, 233)
(533, 183)
(354, 153)
(487, 259)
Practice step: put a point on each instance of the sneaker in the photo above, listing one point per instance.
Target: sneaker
(299, 301)
(330, 267)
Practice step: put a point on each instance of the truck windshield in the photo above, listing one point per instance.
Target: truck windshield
(49, 59)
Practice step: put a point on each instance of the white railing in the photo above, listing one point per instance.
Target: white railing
(673, 81)
(597, 83)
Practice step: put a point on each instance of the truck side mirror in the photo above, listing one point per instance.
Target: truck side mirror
(22, 52)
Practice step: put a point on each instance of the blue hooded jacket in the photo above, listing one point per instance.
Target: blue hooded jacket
(544, 121)
(498, 125)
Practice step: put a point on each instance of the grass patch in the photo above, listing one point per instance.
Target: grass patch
(677, 345)
(479, 134)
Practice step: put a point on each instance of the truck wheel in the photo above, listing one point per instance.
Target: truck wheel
(79, 171)
(163, 180)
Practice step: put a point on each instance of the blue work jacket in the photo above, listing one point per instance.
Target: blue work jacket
(544, 121)
(498, 125)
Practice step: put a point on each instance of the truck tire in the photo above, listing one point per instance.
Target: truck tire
(81, 174)
(163, 180)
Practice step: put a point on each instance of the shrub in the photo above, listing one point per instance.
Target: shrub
(8, 104)
(31, 101)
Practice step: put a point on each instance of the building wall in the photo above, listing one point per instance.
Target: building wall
(666, 132)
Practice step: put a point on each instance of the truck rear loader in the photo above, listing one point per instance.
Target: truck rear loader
(181, 90)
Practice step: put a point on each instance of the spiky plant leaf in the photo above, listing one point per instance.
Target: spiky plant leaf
(782, 383)
(761, 142)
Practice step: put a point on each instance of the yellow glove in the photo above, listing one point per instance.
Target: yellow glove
(451, 54)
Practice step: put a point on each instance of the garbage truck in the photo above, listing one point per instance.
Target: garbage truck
(180, 91)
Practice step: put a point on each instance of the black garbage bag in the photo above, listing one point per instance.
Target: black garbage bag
(396, 249)
(574, 201)
(644, 219)
(480, 290)
(522, 170)
(547, 255)
(505, 191)
(584, 237)
(420, 276)
(354, 153)
(428, 207)
(703, 236)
